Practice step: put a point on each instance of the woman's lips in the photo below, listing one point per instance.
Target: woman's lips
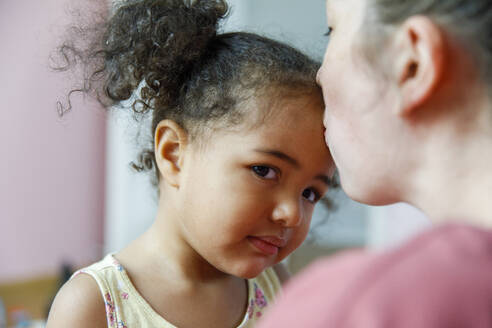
(268, 245)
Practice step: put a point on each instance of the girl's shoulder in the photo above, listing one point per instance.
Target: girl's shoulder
(78, 304)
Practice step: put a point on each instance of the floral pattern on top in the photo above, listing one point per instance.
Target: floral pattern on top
(111, 312)
(257, 304)
(118, 265)
(110, 309)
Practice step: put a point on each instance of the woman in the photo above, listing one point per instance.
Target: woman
(407, 87)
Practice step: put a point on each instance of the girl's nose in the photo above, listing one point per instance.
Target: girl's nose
(288, 213)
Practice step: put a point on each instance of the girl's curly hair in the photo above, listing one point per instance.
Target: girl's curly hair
(167, 58)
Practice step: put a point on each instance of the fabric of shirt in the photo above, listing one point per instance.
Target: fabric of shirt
(440, 279)
(126, 308)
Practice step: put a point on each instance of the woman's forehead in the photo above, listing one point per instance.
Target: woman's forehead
(329, 9)
(337, 6)
(334, 8)
(345, 14)
(331, 5)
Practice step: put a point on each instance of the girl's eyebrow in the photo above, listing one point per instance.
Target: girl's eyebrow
(280, 155)
(325, 179)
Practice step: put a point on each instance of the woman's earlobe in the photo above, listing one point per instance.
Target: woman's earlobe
(170, 142)
(421, 62)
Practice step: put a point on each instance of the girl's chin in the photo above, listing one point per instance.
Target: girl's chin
(250, 271)
(250, 275)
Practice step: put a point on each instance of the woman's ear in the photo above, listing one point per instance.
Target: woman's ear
(420, 58)
(170, 143)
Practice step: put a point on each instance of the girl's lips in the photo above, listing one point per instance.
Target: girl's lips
(267, 245)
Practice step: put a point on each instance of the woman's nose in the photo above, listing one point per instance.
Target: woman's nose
(288, 213)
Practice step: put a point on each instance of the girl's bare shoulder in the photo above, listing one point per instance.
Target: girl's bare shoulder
(78, 304)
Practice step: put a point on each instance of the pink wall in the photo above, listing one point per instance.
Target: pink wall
(51, 170)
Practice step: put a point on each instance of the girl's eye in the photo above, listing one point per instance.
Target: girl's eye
(264, 172)
(328, 33)
(311, 195)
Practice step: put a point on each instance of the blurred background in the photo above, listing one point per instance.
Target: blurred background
(67, 192)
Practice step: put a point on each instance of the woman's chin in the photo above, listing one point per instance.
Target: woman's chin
(367, 193)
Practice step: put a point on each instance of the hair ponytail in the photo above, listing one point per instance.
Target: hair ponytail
(157, 41)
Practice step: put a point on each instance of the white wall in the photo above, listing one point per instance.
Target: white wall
(300, 23)
(391, 225)
(131, 201)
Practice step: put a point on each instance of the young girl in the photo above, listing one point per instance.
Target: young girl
(239, 154)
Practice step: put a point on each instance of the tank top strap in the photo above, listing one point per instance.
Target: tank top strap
(108, 275)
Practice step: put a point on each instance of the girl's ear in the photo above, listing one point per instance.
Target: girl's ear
(170, 143)
(420, 61)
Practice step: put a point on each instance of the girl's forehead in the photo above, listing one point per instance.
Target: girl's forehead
(286, 105)
(271, 118)
(288, 118)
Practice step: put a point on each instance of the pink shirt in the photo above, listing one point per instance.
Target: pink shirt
(442, 278)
